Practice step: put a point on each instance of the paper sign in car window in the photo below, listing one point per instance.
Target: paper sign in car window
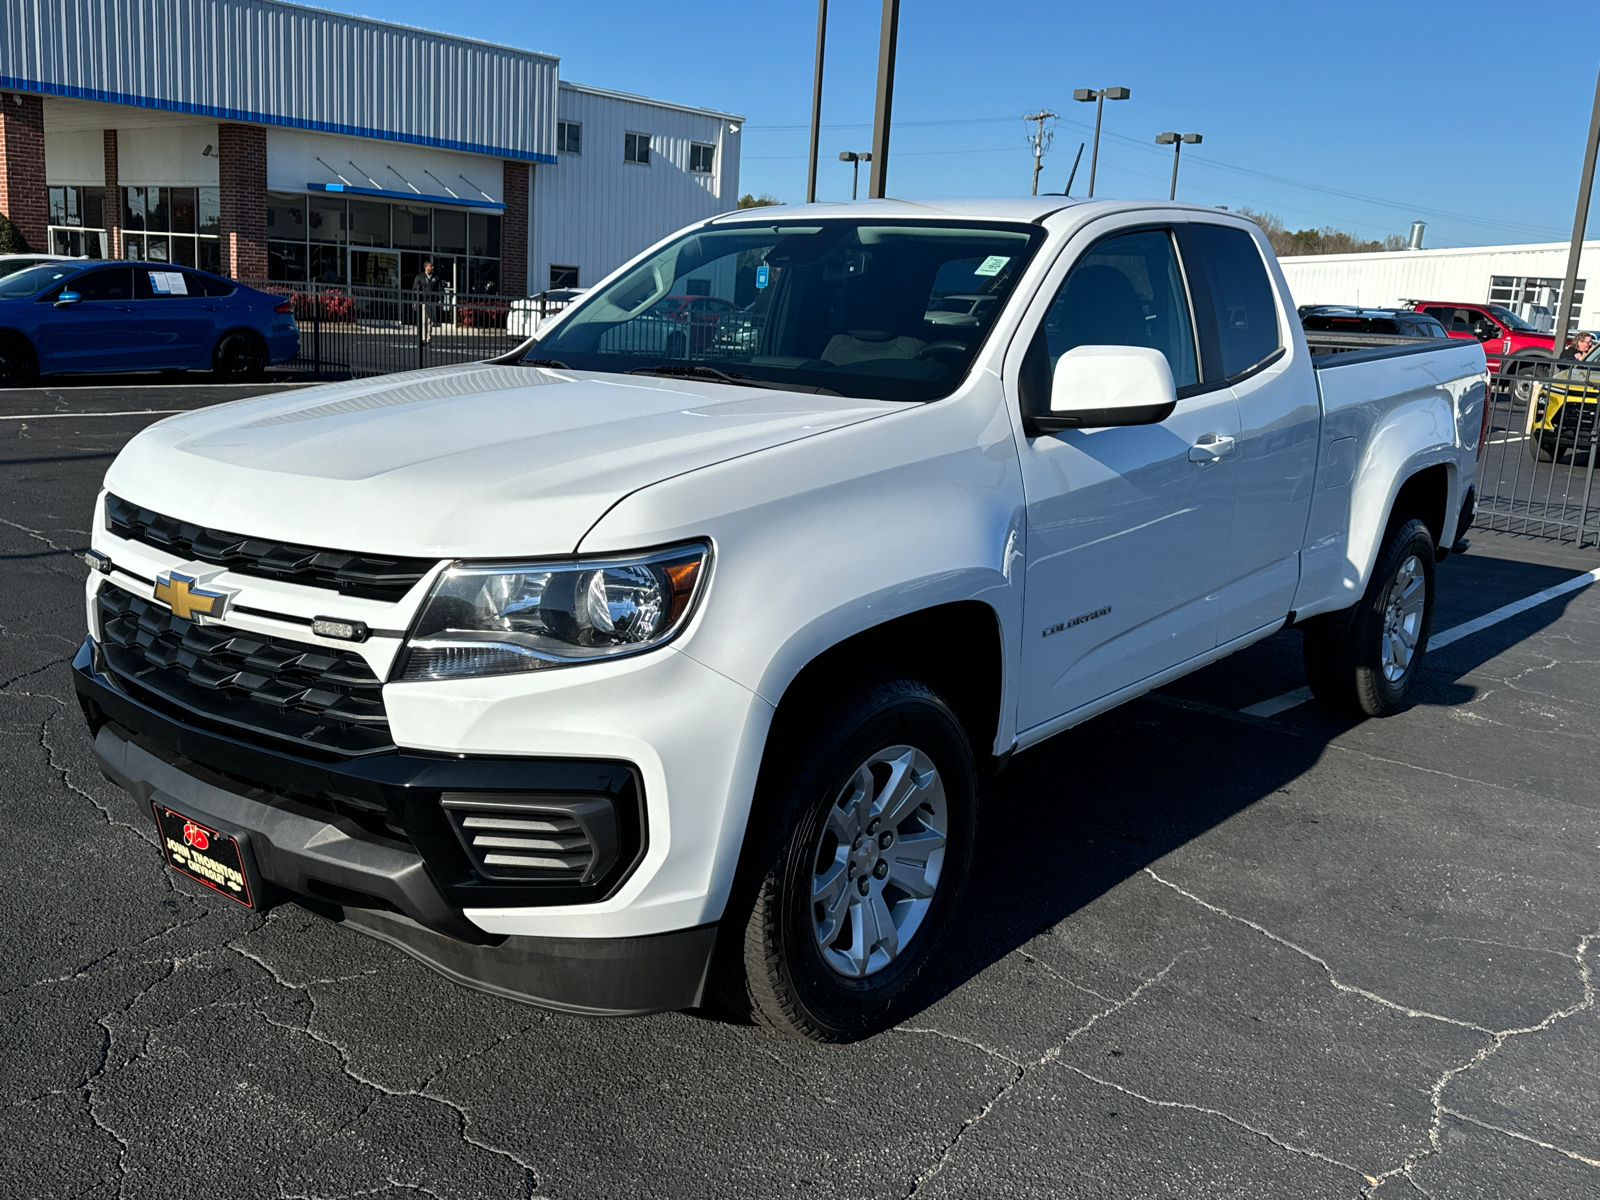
(168, 283)
(761, 276)
(991, 265)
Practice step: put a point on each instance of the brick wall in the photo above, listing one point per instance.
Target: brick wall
(113, 210)
(242, 176)
(24, 196)
(514, 231)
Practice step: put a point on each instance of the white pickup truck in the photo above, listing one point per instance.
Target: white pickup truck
(622, 683)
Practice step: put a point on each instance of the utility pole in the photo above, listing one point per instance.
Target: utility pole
(816, 101)
(1177, 142)
(1099, 96)
(1040, 141)
(1579, 224)
(855, 158)
(888, 33)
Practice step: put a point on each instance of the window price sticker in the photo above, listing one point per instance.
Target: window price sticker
(761, 276)
(991, 265)
(168, 283)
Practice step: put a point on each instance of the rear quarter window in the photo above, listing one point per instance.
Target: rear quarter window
(1242, 299)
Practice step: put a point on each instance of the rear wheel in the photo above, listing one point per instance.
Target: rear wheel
(1543, 450)
(18, 364)
(853, 878)
(240, 357)
(1367, 668)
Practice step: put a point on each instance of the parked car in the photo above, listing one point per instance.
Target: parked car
(90, 315)
(10, 264)
(1387, 322)
(958, 310)
(592, 678)
(1510, 344)
(1561, 410)
(526, 314)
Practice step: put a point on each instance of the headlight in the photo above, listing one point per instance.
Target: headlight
(494, 619)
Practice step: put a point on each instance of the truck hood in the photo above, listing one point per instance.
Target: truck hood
(481, 460)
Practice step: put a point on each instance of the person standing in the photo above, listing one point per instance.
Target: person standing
(426, 286)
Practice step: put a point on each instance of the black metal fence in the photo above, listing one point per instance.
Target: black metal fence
(347, 332)
(1536, 475)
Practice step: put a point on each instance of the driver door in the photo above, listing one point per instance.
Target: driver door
(1128, 528)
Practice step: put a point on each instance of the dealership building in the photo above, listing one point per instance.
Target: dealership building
(271, 141)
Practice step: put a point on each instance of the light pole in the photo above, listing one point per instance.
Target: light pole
(1176, 141)
(855, 158)
(1099, 96)
(816, 102)
(1579, 225)
(888, 34)
(1040, 141)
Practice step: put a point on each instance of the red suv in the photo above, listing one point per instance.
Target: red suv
(1504, 334)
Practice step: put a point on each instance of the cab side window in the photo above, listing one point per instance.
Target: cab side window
(1242, 300)
(1126, 291)
(112, 283)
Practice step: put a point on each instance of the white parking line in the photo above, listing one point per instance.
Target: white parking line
(1283, 703)
(134, 412)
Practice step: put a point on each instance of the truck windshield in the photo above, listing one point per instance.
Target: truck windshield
(854, 307)
(1510, 319)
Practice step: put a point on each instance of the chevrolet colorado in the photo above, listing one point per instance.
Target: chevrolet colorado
(622, 680)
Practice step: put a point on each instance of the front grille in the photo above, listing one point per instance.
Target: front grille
(374, 577)
(535, 837)
(268, 685)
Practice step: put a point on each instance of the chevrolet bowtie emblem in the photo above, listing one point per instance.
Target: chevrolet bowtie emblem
(180, 593)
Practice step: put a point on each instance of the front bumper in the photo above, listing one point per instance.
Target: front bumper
(317, 833)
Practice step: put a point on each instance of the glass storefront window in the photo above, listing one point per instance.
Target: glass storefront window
(79, 207)
(325, 219)
(413, 227)
(158, 209)
(183, 251)
(449, 231)
(78, 243)
(210, 255)
(286, 217)
(133, 207)
(484, 277)
(287, 261)
(157, 248)
(209, 210)
(327, 264)
(484, 235)
(183, 216)
(372, 268)
(369, 223)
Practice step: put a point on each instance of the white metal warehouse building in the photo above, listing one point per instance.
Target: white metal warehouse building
(272, 141)
(1526, 279)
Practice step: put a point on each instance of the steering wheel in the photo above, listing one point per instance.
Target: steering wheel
(933, 348)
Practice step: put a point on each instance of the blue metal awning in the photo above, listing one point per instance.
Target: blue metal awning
(408, 197)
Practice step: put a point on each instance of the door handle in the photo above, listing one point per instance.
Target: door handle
(1210, 448)
(211, 307)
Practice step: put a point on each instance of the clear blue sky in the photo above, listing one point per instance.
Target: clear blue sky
(1360, 115)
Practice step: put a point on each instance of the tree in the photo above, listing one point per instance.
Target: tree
(761, 201)
(1326, 240)
(11, 239)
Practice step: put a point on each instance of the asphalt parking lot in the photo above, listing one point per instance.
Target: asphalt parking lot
(1208, 953)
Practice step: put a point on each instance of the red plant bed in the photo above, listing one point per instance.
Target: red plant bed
(481, 316)
(327, 306)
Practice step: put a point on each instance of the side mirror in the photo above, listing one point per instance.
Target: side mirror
(1094, 387)
(1485, 332)
(67, 299)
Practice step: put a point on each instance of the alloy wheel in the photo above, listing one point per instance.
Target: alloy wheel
(1402, 618)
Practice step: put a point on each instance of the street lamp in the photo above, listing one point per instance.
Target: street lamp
(855, 158)
(1176, 141)
(1099, 96)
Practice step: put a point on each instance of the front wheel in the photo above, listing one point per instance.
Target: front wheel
(18, 365)
(240, 357)
(1368, 667)
(853, 876)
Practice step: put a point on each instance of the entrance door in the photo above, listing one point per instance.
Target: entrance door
(1128, 527)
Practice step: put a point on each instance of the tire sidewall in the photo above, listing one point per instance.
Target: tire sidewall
(852, 1007)
(219, 358)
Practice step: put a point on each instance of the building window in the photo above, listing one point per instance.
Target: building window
(563, 277)
(77, 221)
(172, 225)
(702, 158)
(636, 148)
(569, 137)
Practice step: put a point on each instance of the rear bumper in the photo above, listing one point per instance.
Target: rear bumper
(381, 885)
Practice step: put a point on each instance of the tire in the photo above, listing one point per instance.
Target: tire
(1542, 451)
(240, 357)
(1358, 668)
(19, 366)
(821, 940)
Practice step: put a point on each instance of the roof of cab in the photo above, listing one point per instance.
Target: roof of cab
(1027, 208)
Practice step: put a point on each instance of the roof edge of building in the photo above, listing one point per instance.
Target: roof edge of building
(612, 94)
(1437, 252)
(454, 37)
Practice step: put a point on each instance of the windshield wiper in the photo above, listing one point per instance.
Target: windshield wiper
(700, 371)
(554, 363)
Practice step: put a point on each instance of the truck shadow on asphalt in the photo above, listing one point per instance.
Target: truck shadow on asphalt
(1072, 818)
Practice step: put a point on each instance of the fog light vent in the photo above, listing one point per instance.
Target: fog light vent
(535, 838)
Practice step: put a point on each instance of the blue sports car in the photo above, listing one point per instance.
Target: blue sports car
(93, 315)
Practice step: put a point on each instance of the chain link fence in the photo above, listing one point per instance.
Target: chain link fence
(348, 332)
(1537, 472)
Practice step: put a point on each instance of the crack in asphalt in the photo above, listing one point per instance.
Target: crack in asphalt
(1021, 1068)
(460, 1111)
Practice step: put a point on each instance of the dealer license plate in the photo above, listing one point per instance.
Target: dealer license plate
(203, 854)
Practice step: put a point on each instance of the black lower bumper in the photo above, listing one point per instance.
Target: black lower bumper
(383, 886)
